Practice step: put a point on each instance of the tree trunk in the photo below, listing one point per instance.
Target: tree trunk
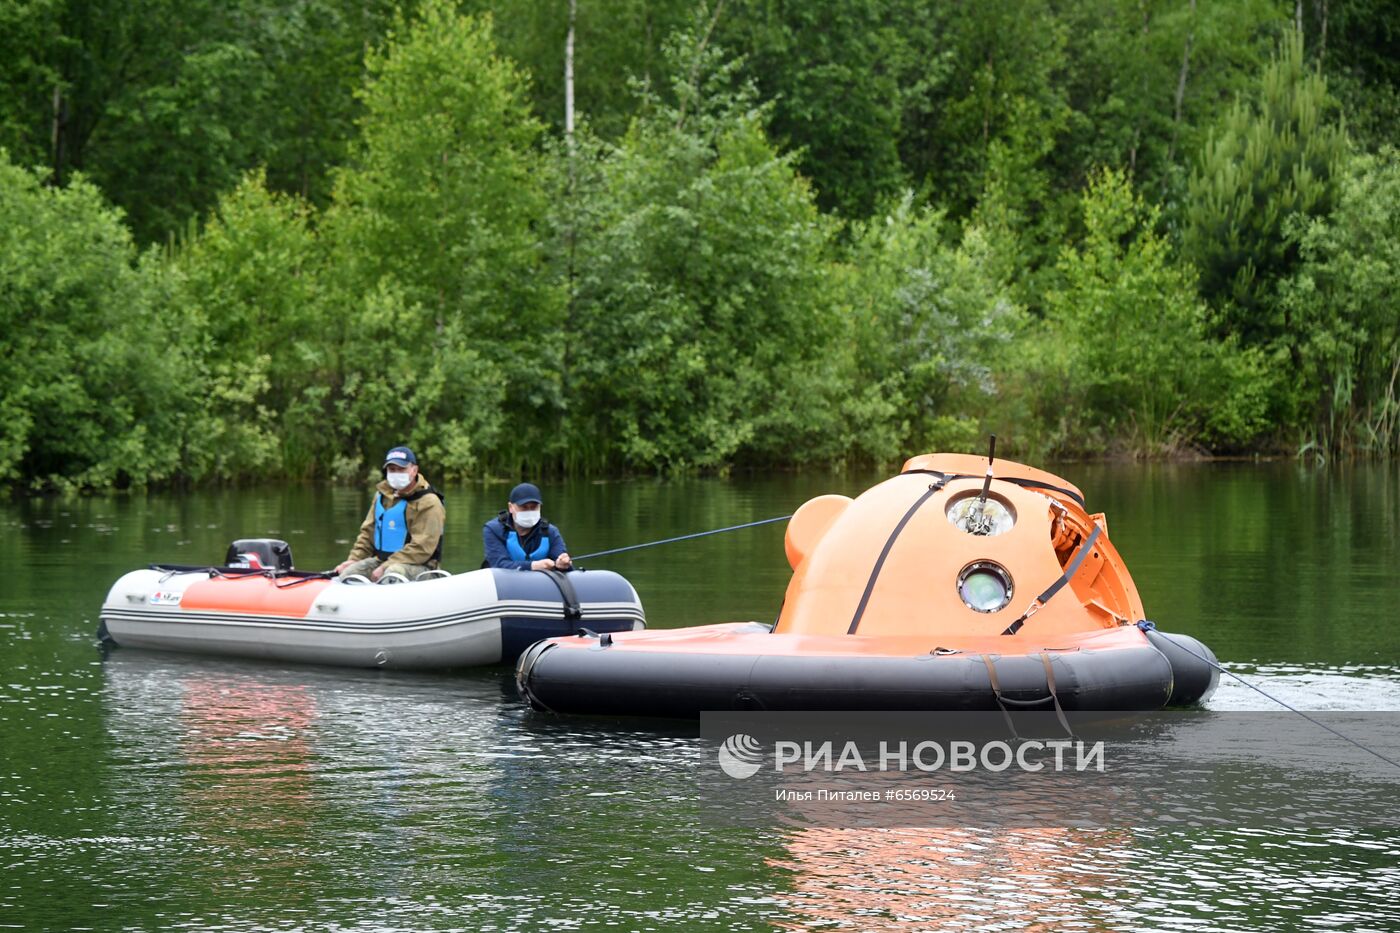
(1322, 37)
(646, 30)
(1137, 129)
(569, 76)
(694, 81)
(1181, 83)
(58, 129)
(570, 230)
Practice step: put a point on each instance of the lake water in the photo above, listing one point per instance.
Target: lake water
(149, 791)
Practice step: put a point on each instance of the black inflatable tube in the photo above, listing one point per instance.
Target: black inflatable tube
(615, 681)
(1195, 673)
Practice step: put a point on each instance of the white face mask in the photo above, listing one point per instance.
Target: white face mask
(398, 480)
(527, 519)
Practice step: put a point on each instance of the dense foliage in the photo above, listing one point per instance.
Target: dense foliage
(249, 239)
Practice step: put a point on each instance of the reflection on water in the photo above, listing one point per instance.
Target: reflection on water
(889, 879)
(244, 749)
(432, 797)
(427, 793)
(168, 792)
(1047, 879)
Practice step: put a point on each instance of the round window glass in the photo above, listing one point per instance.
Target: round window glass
(985, 586)
(983, 517)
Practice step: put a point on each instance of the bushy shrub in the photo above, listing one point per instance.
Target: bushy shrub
(98, 385)
(1344, 312)
(435, 242)
(699, 288)
(1126, 355)
(249, 286)
(929, 324)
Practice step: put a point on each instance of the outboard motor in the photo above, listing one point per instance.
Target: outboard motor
(260, 553)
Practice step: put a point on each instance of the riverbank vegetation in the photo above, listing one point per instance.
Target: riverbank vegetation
(242, 240)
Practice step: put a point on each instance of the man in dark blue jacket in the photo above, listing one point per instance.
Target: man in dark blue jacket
(519, 539)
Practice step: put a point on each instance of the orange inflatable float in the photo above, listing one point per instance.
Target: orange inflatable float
(959, 584)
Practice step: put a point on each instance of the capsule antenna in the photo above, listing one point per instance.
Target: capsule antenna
(991, 455)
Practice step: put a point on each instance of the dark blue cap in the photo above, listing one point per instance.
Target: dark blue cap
(400, 456)
(525, 492)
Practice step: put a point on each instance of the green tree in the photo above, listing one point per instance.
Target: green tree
(437, 226)
(989, 92)
(699, 288)
(152, 99)
(1150, 76)
(250, 286)
(617, 43)
(1342, 304)
(984, 110)
(929, 325)
(94, 387)
(1357, 44)
(304, 122)
(29, 34)
(164, 105)
(1275, 155)
(829, 69)
(1125, 355)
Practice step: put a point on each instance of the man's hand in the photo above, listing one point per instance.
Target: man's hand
(545, 564)
(377, 572)
(563, 562)
(340, 567)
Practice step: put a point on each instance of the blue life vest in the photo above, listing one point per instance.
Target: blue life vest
(517, 552)
(390, 527)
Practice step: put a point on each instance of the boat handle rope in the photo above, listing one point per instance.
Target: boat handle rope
(698, 534)
(215, 572)
(1058, 585)
(283, 584)
(286, 577)
(1147, 626)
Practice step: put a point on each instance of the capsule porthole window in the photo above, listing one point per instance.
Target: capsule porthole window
(985, 586)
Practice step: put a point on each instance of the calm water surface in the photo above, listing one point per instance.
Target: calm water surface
(149, 791)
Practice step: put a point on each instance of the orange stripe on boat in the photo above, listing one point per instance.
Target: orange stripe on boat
(253, 596)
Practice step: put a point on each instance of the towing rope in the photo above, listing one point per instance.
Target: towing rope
(698, 534)
(1147, 626)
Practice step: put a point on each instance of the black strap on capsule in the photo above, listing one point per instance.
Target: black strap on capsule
(1058, 585)
(1019, 481)
(880, 561)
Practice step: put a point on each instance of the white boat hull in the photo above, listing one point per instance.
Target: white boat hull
(477, 618)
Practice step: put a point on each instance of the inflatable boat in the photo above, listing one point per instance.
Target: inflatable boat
(445, 621)
(951, 586)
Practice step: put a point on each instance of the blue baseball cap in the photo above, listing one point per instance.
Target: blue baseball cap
(525, 492)
(400, 456)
